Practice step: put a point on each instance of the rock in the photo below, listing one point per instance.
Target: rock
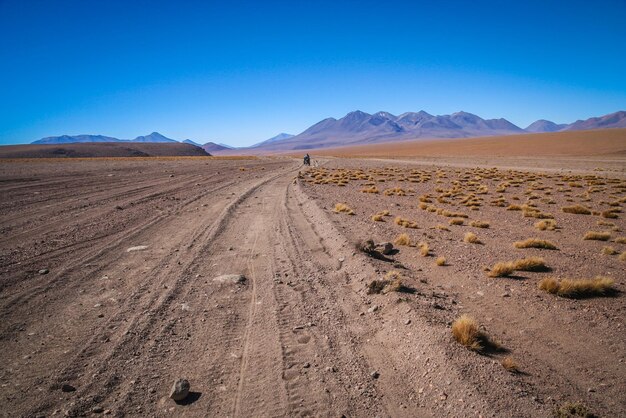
(306, 365)
(180, 390)
(375, 375)
(97, 410)
(137, 248)
(373, 309)
(387, 247)
(68, 388)
(230, 278)
(44, 271)
(506, 295)
(407, 322)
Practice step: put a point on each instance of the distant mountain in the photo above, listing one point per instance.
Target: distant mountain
(543, 125)
(189, 141)
(279, 137)
(612, 120)
(67, 139)
(225, 145)
(212, 147)
(153, 137)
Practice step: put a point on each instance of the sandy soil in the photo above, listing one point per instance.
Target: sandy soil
(112, 282)
(100, 149)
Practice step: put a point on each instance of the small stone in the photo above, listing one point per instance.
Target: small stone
(97, 410)
(137, 248)
(180, 390)
(230, 278)
(375, 375)
(44, 271)
(373, 309)
(407, 322)
(68, 388)
(306, 365)
(387, 248)
(506, 295)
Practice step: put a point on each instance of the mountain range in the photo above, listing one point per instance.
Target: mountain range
(359, 127)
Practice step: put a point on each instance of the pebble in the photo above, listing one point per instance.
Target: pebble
(306, 365)
(180, 390)
(44, 271)
(407, 322)
(375, 375)
(68, 388)
(230, 278)
(373, 309)
(137, 248)
(97, 410)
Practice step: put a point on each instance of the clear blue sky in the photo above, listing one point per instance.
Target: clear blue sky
(240, 72)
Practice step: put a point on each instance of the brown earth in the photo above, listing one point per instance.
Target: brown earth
(135, 297)
(101, 149)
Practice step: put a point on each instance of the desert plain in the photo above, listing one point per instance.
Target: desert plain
(267, 285)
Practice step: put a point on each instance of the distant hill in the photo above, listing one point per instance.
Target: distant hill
(189, 141)
(612, 120)
(273, 139)
(68, 139)
(104, 149)
(212, 147)
(543, 125)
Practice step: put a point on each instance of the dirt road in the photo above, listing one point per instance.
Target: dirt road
(117, 280)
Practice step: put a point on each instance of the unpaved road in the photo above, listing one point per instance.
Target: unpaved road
(296, 338)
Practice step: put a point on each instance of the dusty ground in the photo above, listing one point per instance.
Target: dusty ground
(301, 336)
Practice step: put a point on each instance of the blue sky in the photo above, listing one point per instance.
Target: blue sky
(240, 72)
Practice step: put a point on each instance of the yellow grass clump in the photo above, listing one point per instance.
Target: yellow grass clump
(578, 288)
(403, 239)
(471, 238)
(440, 261)
(576, 209)
(465, 330)
(424, 249)
(598, 236)
(372, 189)
(620, 240)
(502, 269)
(509, 364)
(608, 250)
(535, 243)
(611, 213)
(378, 218)
(456, 221)
(343, 208)
(546, 225)
(480, 224)
(405, 223)
(530, 264)
(442, 227)
(622, 256)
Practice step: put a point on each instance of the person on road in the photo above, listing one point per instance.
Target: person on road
(307, 160)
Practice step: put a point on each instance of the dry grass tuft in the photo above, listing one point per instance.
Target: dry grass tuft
(502, 269)
(372, 189)
(535, 243)
(611, 213)
(471, 238)
(530, 264)
(465, 331)
(622, 256)
(378, 218)
(546, 225)
(403, 239)
(343, 208)
(456, 221)
(405, 223)
(608, 250)
(572, 410)
(598, 236)
(376, 286)
(509, 364)
(441, 261)
(620, 240)
(576, 209)
(580, 288)
(424, 249)
(442, 227)
(479, 224)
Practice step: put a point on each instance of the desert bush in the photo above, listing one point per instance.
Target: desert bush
(502, 269)
(622, 256)
(405, 223)
(609, 251)
(442, 227)
(403, 239)
(530, 264)
(572, 410)
(620, 240)
(576, 209)
(471, 238)
(509, 364)
(424, 249)
(343, 208)
(598, 236)
(546, 225)
(578, 288)
(465, 330)
(611, 213)
(535, 243)
(378, 218)
(456, 221)
(480, 224)
(372, 189)
(441, 261)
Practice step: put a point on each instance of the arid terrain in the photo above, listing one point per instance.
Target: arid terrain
(245, 276)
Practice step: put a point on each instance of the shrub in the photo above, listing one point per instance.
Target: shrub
(509, 364)
(609, 251)
(580, 288)
(471, 238)
(343, 208)
(465, 331)
(546, 225)
(480, 224)
(372, 189)
(576, 209)
(456, 221)
(502, 269)
(405, 223)
(424, 249)
(598, 236)
(378, 218)
(530, 264)
(441, 261)
(403, 239)
(535, 243)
